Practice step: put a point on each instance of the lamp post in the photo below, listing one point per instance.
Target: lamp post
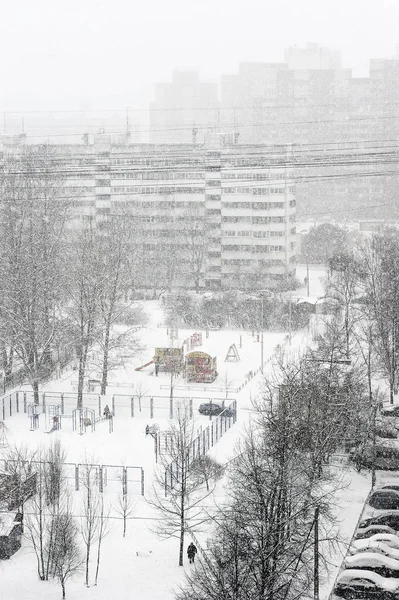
(261, 340)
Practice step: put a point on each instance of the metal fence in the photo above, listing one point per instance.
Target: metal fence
(207, 438)
(121, 405)
(114, 479)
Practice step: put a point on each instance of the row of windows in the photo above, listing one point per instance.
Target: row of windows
(267, 176)
(244, 248)
(151, 162)
(159, 190)
(166, 175)
(253, 205)
(254, 191)
(254, 234)
(247, 261)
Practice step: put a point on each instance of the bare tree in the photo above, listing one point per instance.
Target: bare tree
(67, 559)
(34, 213)
(85, 287)
(45, 506)
(125, 507)
(380, 260)
(206, 469)
(194, 235)
(89, 523)
(181, 508)
(103, 531)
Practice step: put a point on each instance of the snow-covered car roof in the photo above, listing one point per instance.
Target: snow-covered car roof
(379, 547)
(364, 531)
(374, 559)
(7, 522)
(386, 583)
(387, 538)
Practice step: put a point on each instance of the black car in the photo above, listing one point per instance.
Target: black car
(211, 408)
(390, 411)
(386, 499)
(391, 519)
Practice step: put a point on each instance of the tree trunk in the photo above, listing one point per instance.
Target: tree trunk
(182, 528)
(87, 562)
(82, 370)
(63, 589)
(104, 380)
(35, 386)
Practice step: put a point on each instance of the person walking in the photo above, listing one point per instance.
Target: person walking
(191, 552)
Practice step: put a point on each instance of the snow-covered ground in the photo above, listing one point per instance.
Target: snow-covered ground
(123, 574)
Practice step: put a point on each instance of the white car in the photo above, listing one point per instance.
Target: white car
(355, 583)
(373, 561)
(387, 538)
(366, 532)
(379, 547)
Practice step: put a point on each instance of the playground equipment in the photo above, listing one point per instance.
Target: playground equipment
(169, 360)
(33, 414)
(52, 415)
(201, 367)
(143, 366)
(82, 418)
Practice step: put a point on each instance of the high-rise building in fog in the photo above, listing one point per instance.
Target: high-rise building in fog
(184, 110)
(312, 102)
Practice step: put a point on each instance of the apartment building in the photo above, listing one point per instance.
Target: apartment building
(184, 110)
(222, 209)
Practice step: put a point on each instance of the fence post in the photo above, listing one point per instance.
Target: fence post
(142, 481)
(113, 404)
(191, 408)
(77, 478)
(156, 446)
(100, 479)
(124, 481)
(151, 407)
(132, 406)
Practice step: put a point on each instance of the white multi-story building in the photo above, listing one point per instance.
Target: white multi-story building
(235, 203)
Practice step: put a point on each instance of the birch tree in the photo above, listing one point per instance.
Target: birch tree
(178, 495)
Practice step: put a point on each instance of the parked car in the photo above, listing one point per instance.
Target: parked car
(386, 455)
(391, 519)
(367, 532)
(388, 539)
(356, 583)
(373, 561)
(385, 429)
(391, 410)
(211, 408)
(378, 547)
(387, 499)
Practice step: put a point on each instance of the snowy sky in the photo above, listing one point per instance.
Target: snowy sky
(93, 54)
